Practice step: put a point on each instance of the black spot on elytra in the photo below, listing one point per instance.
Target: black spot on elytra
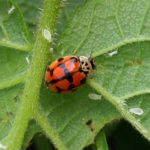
(73, 59)
(59, 90)
(66, 71)
(69, 78)
(68, 75)
(71, 86)
(53, 81)
(86, 64)
(89, 124)
(88, 68)
(51, 71)
(61, 65)
(62, 78)
(60, 59)
(83, 81)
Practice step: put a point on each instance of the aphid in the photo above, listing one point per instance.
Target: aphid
(112, 53)
(47, 35)
(94, 96)
(11, 10)
(137, 111)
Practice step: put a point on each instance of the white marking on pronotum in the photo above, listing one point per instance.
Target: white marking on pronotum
(28, 60)
(137, 111)
(11, 10)
(112, 53)
(94, 96)
(47, 35)
(2, 146)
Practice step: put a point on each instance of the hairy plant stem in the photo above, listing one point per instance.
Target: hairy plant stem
(33, 82)
(42, 120)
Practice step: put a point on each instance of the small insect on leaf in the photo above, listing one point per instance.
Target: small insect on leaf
(47, 35)
(112, 53)
(137, 111)
(11, 10)
(28, 60)
(94, 96)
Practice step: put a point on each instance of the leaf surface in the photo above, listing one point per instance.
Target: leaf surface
(13, 30)
(97, 27)
(13, 67)
(8, 105)
(127, 73)
(75, 117)
(101, 26)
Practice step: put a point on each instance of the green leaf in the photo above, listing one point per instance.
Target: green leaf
(127, 73)
(32, 130)
(14, 36)
(101, 142)
(13, 31)
(75, 117)
(101, 26)
(9, 102)
(141, 102)
(31, 11)
(13, 67)
(72, 121)
(29, 101)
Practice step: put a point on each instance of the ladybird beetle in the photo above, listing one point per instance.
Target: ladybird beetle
(68, 73)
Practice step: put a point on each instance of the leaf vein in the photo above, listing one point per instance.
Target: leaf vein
(117, 20)
(87, 31)
(143, 19)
